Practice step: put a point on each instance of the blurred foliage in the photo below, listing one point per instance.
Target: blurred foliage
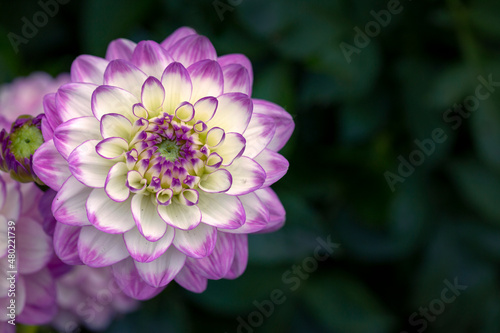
(353, 120)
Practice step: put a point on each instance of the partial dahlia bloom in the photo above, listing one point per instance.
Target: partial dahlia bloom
(162, 162)
(26, 250)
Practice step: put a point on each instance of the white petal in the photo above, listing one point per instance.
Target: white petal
(74, 132)
(87, 68)
(50, 166)
(259, 133)
(178, 87)
(152, 95)
(115, 125)
(247, 175)
(221, 210)
(107, 215)
(257, 215)
(232, 148)
(180, 216)
(233, 112)
(149, 223)
(115, 186)
(123, 74)
(99, 249)
(207, 79)
(217, 181)
(87, 166)
(107, 99)
(143, 250)
(68, 206)
(198, 242)
(73, 100)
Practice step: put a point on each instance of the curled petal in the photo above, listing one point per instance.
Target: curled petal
(237, 59)
(152, 94)
(112, 100)
(116, 182)
(217, 181)
(232, 148)
(257, 215)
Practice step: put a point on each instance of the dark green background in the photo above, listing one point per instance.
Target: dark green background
(353, 120)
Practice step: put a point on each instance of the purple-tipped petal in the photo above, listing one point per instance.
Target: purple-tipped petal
(74, 132)
(149, 223)
(237, 79)
(116, 182)
(257, 215)
(258, 135)
(233, 112)
(120, 49)
(66, 243)
(107, 215)
(192, 49)
(129, 281)
(240, 257)
(73, 100)
(111, 148)
(180, 216)
(221, 210)
(238, 59)
(99, 249)
(151, 58)
(247, 176)
(50, 166)
(68, 206)
(277, 212)
(274, 164)
(89, 69)
(232, 148)
(115, 125)
(113, 100)
(152, 94)
(198, 242)
(216, 265)
(160, 272)
(143, 250)
(191, 281)
(125, 75)
(176, 36)
(178, 86)
(284, 122)
(50, 108)
(87, 166)
(207, 79)
(205, 108)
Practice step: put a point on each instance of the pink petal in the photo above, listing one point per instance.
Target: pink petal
(123, 74)
(207, 79)
(191, 281)
(99, 249)
(120, 49)
(284, 122)
(177, 35)
(160, 272)
(50, 166)
(274, 164)
(192, 49)
(276, 211)
(129, 281)
(66, 243)
(68, 206)
(89, 69)
(151, 58)
(143, 250)
(198, 242)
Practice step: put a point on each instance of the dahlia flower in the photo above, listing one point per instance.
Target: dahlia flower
(162, 162)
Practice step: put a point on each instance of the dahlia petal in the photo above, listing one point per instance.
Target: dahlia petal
(47, 130)
(123, 74)
(149, 223)
(177, 35)
(205, 108)
(207, 79)
(216, 182)
(34, 247)
(120, 49)
(274, 164)
(191, 281)
(152, 94)
(160, 272)
(151, 58)
(196, 243)
(276, 210)
(99, 249)
(50, 109)
(218, 263)
(178, 86)
(68, 205)
(259, 133)
(115, 125)
(73, 100)
(89, 69)
(247, 176)
(257, 215)
(232, 148)
(284, 122)
(111, 147)
(108, 99)
(50, 166)
(143, 250)
(72, 133)
(233, 112)
(185, 112)
(66, 243)
(215, 136)
(192, 49)
(239, 59)
(115, 185)
(180, 216)
(128, 279)
(87, 166)
(107, 215)
(40, 304)
(240, 257)
(12, 201)
(237, 79)
(221, 210)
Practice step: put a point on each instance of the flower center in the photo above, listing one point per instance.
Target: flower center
(169, 150)
(25, 140)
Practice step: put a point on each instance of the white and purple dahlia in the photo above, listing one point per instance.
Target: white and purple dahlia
(162, 162)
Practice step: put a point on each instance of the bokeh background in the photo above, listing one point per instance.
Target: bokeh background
(355, 116)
